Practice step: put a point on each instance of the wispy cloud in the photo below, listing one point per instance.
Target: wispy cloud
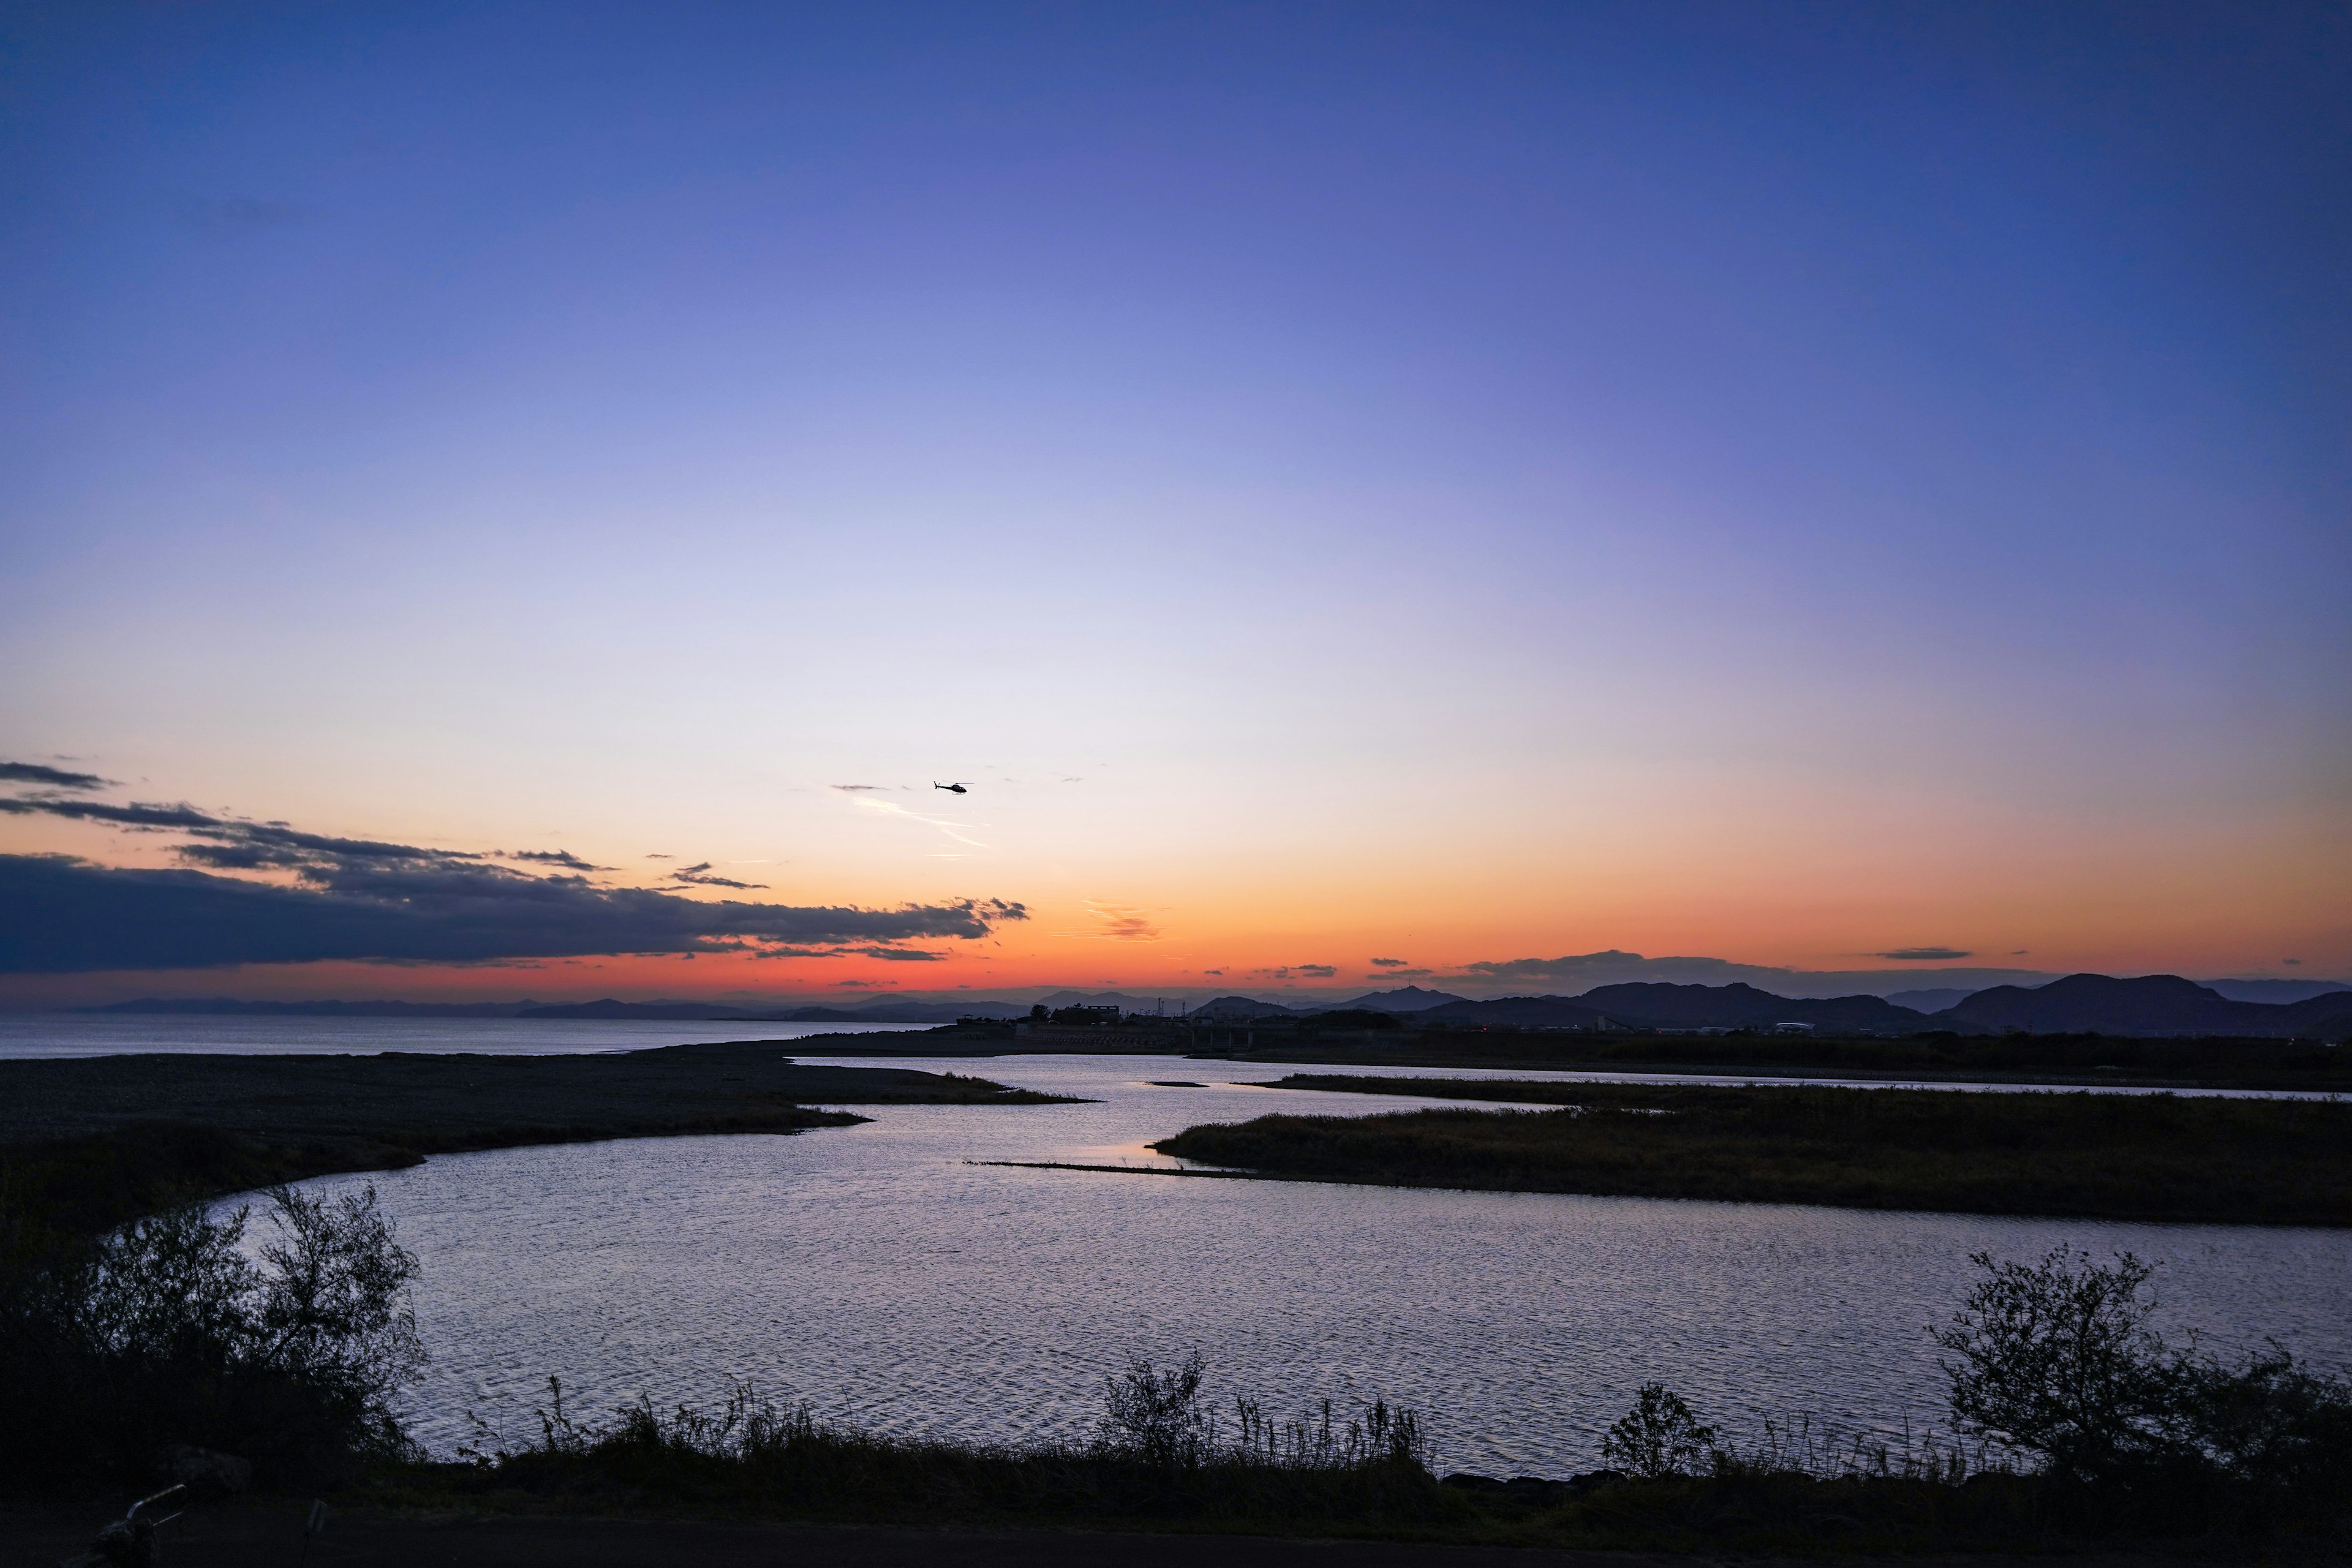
(1925, 954)
(1388, 963)
(699, 876)
(953, 829)
(564, 858)
(1116, 922)
(1609, 967)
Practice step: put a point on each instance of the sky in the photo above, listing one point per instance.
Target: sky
(1834, 487)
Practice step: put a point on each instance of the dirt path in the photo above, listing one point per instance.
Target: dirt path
(266, 1535)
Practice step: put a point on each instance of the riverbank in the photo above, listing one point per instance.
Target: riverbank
(89, 1141)
(2063, 1060)
(2133, 1157)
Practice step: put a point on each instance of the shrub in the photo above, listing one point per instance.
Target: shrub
(1155, 1416)
(115, 1349)
(2056, 1360)
(1659, 1436)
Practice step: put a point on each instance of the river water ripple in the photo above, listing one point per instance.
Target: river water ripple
(879, 1273)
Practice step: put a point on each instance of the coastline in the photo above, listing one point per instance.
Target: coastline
(86, 1142)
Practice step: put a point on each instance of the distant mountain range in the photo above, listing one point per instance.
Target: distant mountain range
(225, 1006)
(2090, 1003)
(889, 1010)
(2084, 1003)
(2151, 1004)
(1934, 999)
(2275, 990)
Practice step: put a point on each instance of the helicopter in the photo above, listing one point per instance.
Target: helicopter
(950, 788)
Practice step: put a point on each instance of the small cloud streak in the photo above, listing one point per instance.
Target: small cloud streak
(1116, 922)
(1389, 962)
(1925, 954)
(45, 777)
(892, 808)
(699, 875)
(564, 858)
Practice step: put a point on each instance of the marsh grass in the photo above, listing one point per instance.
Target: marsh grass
(1162, 1458)
(1160, 1453)
(2145, 1157)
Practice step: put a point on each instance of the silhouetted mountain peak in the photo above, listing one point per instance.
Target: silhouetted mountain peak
(1403, 999)
(2143, 1004)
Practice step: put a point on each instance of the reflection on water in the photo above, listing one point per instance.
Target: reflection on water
(878, 1273)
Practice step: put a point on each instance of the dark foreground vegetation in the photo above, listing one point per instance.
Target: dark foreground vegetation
(2072, 1425)
(170, 1349)
(123, 1354)
(90, 1142)
(2145, 1157)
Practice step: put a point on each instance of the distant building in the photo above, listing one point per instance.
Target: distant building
(1792, 1028)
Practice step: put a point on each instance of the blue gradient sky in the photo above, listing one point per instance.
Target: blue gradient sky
(1469, 481)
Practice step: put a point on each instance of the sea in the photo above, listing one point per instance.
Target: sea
(894, 1276)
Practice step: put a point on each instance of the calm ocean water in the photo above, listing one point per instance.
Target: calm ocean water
(114, 1034)
(879, 1273)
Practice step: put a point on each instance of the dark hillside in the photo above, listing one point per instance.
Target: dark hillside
(2147, 1004)
(1742, 1006)
(1515, 1012)
(1403, 999)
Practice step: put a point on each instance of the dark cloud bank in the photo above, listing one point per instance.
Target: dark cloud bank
(360, 898)
(1577, 972)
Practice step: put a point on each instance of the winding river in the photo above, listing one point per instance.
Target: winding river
(880, 1274)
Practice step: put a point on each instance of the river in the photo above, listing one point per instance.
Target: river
(880, 1274)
